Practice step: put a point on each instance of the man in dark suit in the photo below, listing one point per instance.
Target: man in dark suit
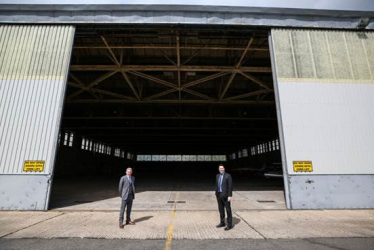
(224, 194)
(127, 194)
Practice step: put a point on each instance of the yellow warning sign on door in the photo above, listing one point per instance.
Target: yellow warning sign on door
(33, 166)
(302, 166)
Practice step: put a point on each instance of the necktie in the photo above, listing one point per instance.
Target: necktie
(220, 183)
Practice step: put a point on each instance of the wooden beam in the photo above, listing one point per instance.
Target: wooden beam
(104, 92)
(154, 79)
(129, 82)
(95, 82)
(169, 91)
(195, 53)
(237, 66)
(244, 53)
(168, 101)
(179, 66)
(255, 93)
(82, 85)
(110, 51)
(255, 80)
(205, 79)
(170, 118)
(173, 47)
(227, 86)
(199, 95)
(168, 128)
(162, 52)
(169, 68)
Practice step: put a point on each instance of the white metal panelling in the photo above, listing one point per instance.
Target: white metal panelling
(329, 124)
(34, 62)
(326, 87)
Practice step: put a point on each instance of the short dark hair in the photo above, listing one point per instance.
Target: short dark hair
(221, 165)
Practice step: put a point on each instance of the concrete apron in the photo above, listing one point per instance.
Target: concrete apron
(176, 224)
(163, 201)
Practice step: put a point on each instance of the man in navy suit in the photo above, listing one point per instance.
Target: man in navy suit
(127, 194)
(224, 194)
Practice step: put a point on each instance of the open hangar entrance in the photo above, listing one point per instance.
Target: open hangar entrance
(323, 93)
(172, 102)
(322, 67)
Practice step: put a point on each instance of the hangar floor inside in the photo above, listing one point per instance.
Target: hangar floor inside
(160, 194)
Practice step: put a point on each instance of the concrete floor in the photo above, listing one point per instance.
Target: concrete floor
(266, 224)
(96, 194)
(234, 244)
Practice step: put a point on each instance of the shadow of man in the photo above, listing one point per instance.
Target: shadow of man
(142, 219)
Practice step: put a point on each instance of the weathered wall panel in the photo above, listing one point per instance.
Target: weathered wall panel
(325, 84)
(34, 63)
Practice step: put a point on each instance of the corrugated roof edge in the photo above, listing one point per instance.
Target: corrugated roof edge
(184, 8)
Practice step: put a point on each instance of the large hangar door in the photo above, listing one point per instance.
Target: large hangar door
(34, 62)
(325, 87)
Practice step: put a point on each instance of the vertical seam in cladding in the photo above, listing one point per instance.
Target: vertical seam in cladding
(58, 49)
(330, 56)
(9, 103)
(311, 54)
(349, 57)
(1, 81)
(3, 45)
(14, 104)
(367, 58)
(30, 41)
(7, 51)
(34, 88)
(5, 96)
(52, 89)
(59, 56)
(42, 91)
(3, 85)
(293, 54)
(23, 103)
(49, 85)
(17, 98)
(42, 85)
(66, 55)
(28, 80)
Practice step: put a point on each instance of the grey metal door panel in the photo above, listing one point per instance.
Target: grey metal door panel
(332, 191)
(324, 86)
(34, 63)
(23, 192)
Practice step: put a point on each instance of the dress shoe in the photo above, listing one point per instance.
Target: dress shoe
(121, 225)
(221, 225)
(130, 223)
(228, 228)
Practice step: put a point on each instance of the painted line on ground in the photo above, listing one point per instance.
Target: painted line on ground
(169, 234)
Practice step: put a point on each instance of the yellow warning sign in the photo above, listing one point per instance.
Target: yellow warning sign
(302, 166)
(33, 166)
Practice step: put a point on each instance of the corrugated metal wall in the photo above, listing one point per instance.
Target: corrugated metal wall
(325, 88)
(324, 55)
(33, 69)
(34, 62)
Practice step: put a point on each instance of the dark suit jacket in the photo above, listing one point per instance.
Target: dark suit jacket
(226, 185)
(124, 187)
